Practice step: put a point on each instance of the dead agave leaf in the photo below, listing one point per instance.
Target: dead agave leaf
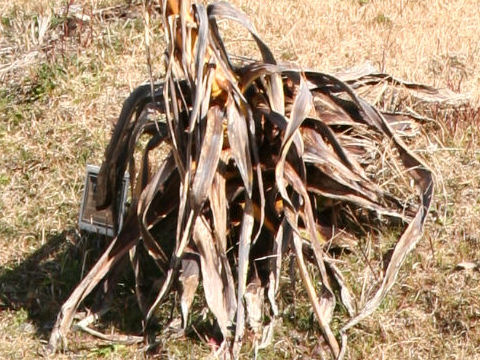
(189, 278)
(216, 280)
(368, 75)
(253, 150)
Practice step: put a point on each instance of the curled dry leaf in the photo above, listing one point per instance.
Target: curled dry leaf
(467, 266)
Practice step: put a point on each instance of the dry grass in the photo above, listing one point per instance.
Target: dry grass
(62, 89)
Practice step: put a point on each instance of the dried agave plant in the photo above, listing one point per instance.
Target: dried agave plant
(257, 154)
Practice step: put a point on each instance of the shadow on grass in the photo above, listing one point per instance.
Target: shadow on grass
(43, 281)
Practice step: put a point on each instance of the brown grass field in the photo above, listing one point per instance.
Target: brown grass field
(63, 78)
